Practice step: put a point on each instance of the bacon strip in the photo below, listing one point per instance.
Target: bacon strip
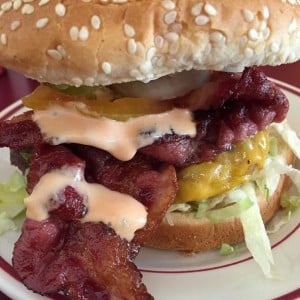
(20, 132)
(84, 261)
(89, 261)
(152, 183)
(252, 103)
(242, 106)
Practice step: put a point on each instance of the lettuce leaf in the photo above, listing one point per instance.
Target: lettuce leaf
(6, 223)
(256, 237)
(226, 249)
(12, 194)
(234, 210)
(289, 136)
(290, 202)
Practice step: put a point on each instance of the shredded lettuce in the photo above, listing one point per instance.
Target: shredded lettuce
(183, 207)
(6, 223)
(202, 209)
(290, 202)
(256, 238)
(12, 194)
(289, 136)
(234, 210)
(242, 202)
(226, 249)
(273, 149)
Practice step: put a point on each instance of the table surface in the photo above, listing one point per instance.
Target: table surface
(14, 86)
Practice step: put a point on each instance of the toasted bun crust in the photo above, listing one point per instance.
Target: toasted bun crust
(191, 234)
(96, 42)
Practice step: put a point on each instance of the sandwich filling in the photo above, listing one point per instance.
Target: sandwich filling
(103, 171)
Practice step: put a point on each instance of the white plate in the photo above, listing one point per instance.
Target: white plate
(171, 275)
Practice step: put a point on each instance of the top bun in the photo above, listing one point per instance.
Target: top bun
(94, 42)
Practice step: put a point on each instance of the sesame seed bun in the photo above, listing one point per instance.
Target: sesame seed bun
(110, 41)
(190, 234)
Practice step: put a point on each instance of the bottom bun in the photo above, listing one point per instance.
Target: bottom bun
(195, 235)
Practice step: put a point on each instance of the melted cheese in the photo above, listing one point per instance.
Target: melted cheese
(121, 139)
(121, 212)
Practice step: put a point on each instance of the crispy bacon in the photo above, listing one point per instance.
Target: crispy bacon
(235, 109)
(84, 261)
(20, 132)
(47, 158)
(152, 183)
(252, 103)
(89, 261)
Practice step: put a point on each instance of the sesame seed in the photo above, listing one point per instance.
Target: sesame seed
(150, 53)
(83, 33)
(146, 67)
(17, 4)
(106, 67)
(135, 73)
(43, 2)
(119, 1)
(74, 32)
(41, 23)
(210, 10)
(77, 81)
(170, 17)
(61, 50)
(6, 6)
(263, 25)
(248, 15)
(248, 52)
(160, 61)
(3, 39)
(159, 41)
(168, 4)
(259, 49)
(173, 48)
(54, 54)
(293, 25)
(265, 12)
(95, 22)
(201, 20)
(253, 34)
(266, 32)
(217, 37)
(275, 47)
(15, 25)
(129, 30)
(172, 36)
(196, 9)
(27, 9)
(140, 49)
(131, 46)
(60, 9)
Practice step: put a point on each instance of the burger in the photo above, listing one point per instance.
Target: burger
(153, 126)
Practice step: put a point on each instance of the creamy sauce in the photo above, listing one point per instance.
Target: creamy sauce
(120, 211)
(121, 139)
